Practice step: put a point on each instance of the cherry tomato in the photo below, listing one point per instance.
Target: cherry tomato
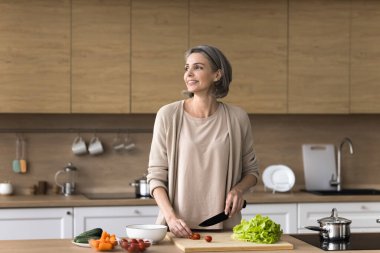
(142, 246)
(147, 244)
(134, 240)
(124, 244)
(195, 236)
(208, 238)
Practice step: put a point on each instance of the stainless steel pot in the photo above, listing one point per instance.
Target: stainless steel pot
(141, 187)
(333, 228)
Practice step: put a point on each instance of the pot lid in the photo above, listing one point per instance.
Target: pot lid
(334, 219)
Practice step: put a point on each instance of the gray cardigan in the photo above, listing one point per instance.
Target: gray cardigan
(162, 171)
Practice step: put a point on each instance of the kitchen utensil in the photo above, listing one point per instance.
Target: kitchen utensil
(154, 232)
(6, 188)
(279, 178)
(95, 147)
(79, 146)
(217, 218)
(333, 228)
(319, 166)
(23, 162)
(222, 241)
(118, 143)
(141, 187)
(16, 162)
(69, 179)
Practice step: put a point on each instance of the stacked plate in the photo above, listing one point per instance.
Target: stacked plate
(279, 178)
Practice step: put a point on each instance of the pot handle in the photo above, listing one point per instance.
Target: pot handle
(315, 228)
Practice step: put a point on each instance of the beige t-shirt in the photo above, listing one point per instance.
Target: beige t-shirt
(202, 168)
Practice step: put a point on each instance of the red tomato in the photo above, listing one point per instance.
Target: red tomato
(147, 244)
(124, 244)
(208, 238)
(196, 236)
(142, 246)
(134, 240)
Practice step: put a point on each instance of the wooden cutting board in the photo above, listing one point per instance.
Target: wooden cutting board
(222, 241)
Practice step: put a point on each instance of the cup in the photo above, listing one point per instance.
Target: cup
(16, 167)
(42, 187)
(79, 146)
(118, 143)
(95, 147)
(6, 188)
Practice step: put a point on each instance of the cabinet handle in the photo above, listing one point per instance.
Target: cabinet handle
(68, 213)
(137, 211)
(364, 207)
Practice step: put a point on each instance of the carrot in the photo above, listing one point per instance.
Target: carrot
(104, 246)
(113, 240)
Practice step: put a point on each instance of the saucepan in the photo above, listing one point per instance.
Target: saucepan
(333, 228)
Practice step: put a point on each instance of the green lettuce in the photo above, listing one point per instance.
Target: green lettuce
(259, 230)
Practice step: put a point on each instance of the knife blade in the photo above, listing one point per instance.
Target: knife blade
(217, 218)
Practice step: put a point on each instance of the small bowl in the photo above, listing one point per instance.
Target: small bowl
(153, 232)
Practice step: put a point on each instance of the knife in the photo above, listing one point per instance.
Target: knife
(217, 218)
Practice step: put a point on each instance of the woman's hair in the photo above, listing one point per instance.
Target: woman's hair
(217, 61)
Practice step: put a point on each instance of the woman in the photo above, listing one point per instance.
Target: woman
(202, 158)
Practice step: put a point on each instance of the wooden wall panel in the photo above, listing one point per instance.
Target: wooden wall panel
(365, 57)
(159, 41)
(100, 56)
(35, 56)
(252, 34)
(319, 56)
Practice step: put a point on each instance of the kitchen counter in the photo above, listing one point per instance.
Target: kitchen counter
(259, 197)
(65, 246)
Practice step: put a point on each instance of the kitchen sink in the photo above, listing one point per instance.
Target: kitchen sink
(347, 192)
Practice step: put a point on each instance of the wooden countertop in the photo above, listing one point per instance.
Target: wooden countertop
(20, 201)
(65, 246)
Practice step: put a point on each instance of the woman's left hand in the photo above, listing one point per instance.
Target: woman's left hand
(234, 202)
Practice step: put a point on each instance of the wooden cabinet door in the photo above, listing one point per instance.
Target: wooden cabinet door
(253, 36)
(35, 56)
(36, 223)
(159, 41)
(319, 56)
(365, 57)
(100, 56)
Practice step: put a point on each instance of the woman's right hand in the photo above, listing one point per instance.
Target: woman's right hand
(178, 227)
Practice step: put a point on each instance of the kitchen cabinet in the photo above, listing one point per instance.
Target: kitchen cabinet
(283, 214)
(362, 214)
(35, 56)
(365, 57)
(100, 56)
(159, 41)
(112, 219)
(319, 52)
(253, 35)
(36, 223)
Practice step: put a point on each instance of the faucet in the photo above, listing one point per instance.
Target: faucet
(337, 180)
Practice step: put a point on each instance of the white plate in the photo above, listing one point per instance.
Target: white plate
(86, 245)
(279, 178)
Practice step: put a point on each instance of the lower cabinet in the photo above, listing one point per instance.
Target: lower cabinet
(362, 214)
(36, 223)
(112, 219)
(283, 214)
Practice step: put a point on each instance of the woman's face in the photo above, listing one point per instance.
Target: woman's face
(199, 76)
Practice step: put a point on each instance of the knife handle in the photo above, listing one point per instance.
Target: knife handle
(244, 204)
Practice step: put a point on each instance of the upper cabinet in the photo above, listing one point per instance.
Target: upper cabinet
(100, 56)
(319, 56)
(253, 35)
(365, 57)
(35, 56)
(159, 41)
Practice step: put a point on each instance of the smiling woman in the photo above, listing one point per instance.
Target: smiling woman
(201, 143)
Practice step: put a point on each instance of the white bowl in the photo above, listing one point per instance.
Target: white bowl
(153, 232)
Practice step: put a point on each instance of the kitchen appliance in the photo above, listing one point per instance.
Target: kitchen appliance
(68, 175)
(319, 166)
(222, 241)
(141, 187)
(333, 228)
(357, 241)
(217, 218)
